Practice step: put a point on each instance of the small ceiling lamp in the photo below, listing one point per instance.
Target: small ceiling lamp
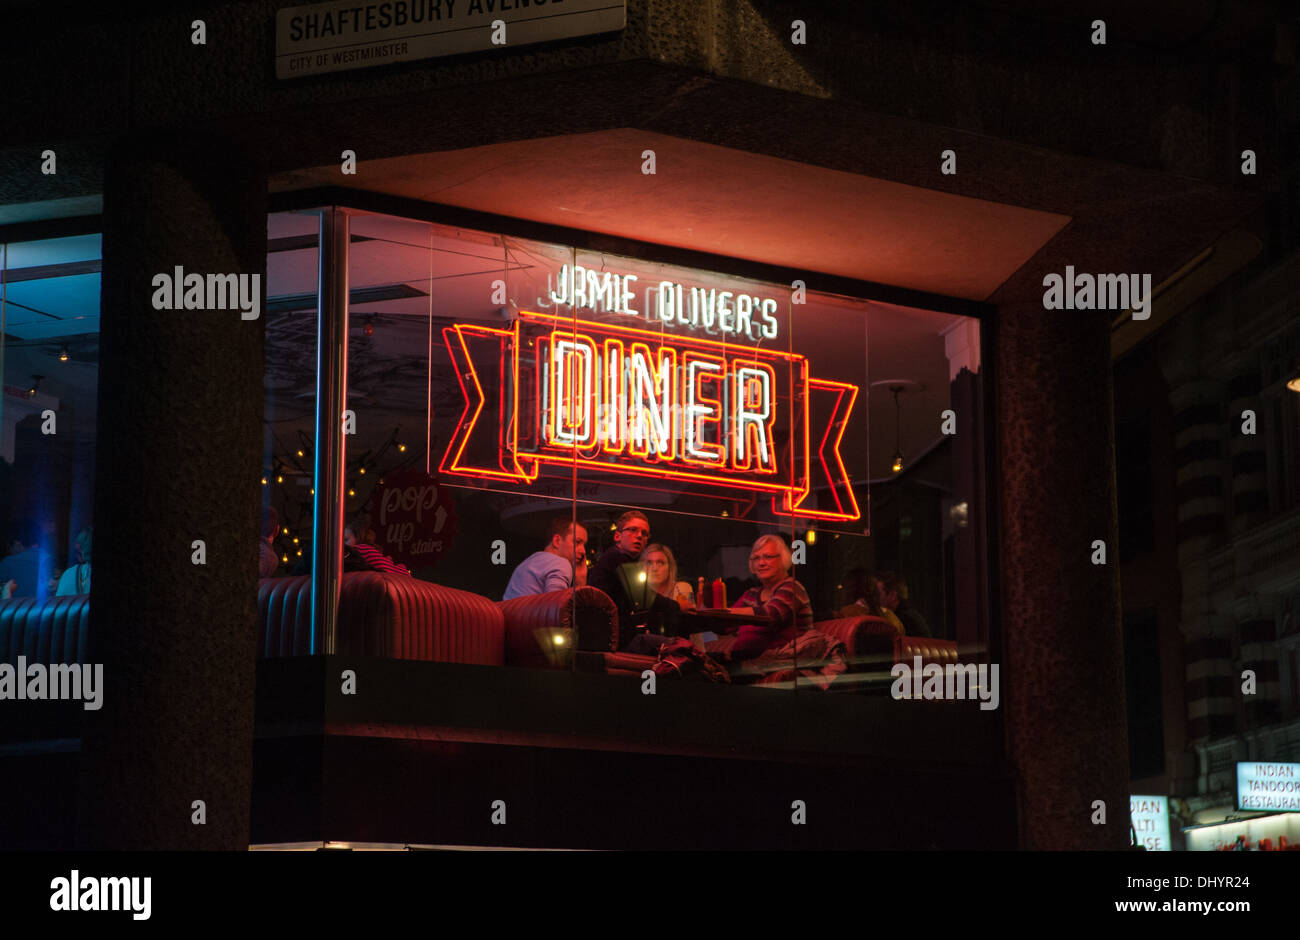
(36, 384)
(897, 465)
(897, 387)
(1294, 384)
(63, 354)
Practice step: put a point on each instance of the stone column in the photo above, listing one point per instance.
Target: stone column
(177, 461)
(1062, 649)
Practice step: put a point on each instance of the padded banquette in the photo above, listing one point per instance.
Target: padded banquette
(587, 616)
(907, 648)
(385, 615)
(56, 630)
(393, 616)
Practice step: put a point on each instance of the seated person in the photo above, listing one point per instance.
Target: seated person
(893, 595)
(553, 568)
(778, 596)
(268, 562)
(661, 570)
(631, 533)
(864, 587)
(27, 570)
(76, 580)
(362, 556)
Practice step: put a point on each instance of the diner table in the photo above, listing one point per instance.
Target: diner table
(703, 625)
(709, 618)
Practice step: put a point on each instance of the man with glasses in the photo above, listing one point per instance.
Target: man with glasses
(631, 535)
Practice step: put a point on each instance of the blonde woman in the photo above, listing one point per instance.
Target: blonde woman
(661, 573)
(778, 596)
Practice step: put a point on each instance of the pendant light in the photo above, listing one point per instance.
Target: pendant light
(897, 465)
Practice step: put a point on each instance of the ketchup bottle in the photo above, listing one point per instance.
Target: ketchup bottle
(719, 595)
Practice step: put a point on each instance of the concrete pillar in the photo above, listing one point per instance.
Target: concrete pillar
(1063, 662)
(177, 460)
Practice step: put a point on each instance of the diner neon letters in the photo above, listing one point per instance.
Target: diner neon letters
(708, 310)
(630, 398)
(555, 395)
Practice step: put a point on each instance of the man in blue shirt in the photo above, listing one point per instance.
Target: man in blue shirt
(551, 569)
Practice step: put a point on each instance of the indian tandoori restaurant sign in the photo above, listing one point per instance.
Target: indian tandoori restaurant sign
(1265, 785)
(354, 34)
(687, 412)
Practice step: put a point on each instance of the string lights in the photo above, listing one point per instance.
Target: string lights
(297, 469)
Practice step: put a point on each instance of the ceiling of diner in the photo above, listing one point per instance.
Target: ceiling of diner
(707, 198)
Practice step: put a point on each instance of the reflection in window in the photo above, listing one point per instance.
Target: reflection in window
(49, 347)
(514, 398)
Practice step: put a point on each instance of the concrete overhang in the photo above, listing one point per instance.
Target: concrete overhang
(720, 200)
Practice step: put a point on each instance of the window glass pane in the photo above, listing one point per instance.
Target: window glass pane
(499, 384)
(49, 330)
(290, 388)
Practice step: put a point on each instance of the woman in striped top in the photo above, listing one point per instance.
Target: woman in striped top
(778, 596)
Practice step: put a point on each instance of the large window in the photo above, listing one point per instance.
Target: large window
(49, 347)
(525, 380)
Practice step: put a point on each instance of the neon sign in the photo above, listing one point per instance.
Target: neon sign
(714, 312)
(551, 390)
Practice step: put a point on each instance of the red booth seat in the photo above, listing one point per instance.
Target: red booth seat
(540, 627)
(907, 648)
(386, 615)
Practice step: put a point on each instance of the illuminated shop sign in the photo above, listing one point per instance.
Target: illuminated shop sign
(724, 313)
(1263, 785)
(552, 390)
(1149, 816)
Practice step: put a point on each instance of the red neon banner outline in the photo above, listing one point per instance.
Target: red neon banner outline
(528, 464)
(841, 514)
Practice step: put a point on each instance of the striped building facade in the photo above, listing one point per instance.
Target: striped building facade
(1227, 362)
